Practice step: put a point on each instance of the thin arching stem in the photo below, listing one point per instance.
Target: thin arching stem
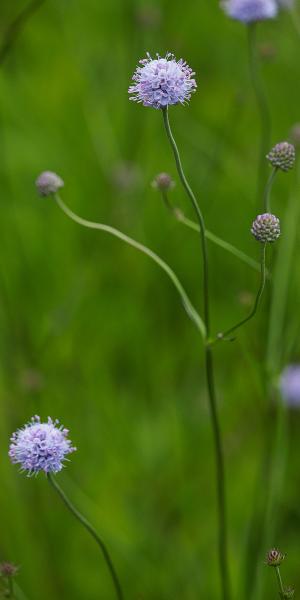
(221, 493)
(189, 308)
(87, 525)
(199, 215)
(259, 294)
(212, 237)
(267, 193)
(263, 107)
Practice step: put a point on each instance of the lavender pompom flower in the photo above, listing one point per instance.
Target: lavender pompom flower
(290, 385)
(40, 446)
(48, 183)
(161, 82)
(249, 11)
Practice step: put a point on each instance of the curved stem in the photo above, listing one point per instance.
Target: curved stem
(263, 108)
(189, 308)
(256, 303)
(178, 214)
(221, 494)
(199, 215)
(267, 193)
(92, 531)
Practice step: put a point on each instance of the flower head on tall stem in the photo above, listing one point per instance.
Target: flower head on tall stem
(274, 557)
(250, 11)
(161, 82)
(8, 569)
(163, 182)
(266, 228)
(40, 446)
(282, 156)
(48, 183)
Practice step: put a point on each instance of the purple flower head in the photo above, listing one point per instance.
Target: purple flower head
(249, 11)
(40, 446)
(8, 569)
(48, 183)
(266, 228)
(274, 558)
(161, 82)
(282, 156)
(290, 385)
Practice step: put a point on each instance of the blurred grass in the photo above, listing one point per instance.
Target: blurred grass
(94, 334)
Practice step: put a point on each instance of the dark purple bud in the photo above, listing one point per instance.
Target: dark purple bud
(282, 156)
(274, 558)
(163, 182)
(266, 228)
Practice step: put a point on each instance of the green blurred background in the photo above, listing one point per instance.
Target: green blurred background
(93, 332)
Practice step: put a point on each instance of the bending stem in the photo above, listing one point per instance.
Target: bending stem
(189, 308)
(221, 494)
(92, 531)
(256, 303)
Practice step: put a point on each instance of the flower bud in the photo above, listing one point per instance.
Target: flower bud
(8, 569)
(163, 182)
(48, 183)
(266, 228)
(274, 558)
(282, 156)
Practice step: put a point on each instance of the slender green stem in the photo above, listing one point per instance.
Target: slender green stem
(259, 294)
(267, 193)
(199, 215)
(93, 533)
(279, 580)
(178, 214)
(189, 308)
(276, 447)
(221, 486)
(263, 108)
(10, 586)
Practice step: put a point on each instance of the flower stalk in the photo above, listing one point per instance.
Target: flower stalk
(268, 188)
(225, 334)
(188, 306)
(262, 104)
(212, 237)
(209, 367)
(87, 525)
